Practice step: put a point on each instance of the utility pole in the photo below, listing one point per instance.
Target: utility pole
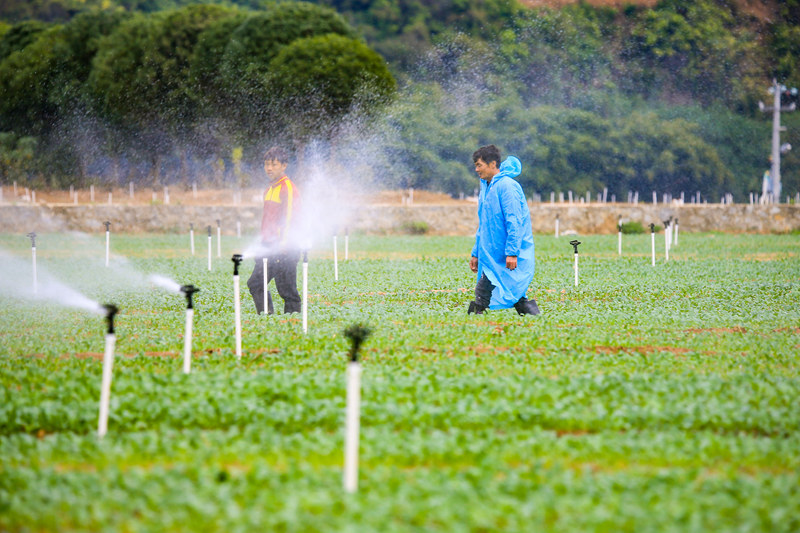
(775, 171)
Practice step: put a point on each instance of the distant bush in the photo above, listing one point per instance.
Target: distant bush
(629, 228)
(415, 227)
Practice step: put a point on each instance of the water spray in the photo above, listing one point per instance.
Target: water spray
(219, 239)
(32, 236)
(188, 291)
(575, 243)
(558, 218)
(108, 364)
(667, 233)
(237, 304)
(335, 259)
(107, 224)
(305, 291)
(209, 248)
(619, 235)
(653, 243)
(191, 237)
(357, 334)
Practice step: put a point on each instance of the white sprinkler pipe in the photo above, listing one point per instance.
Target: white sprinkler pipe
(676, 232)
(237, 304)
(265, 272)
(557, 220)
(108, 239)
(653, 243)
(575, 244)
(108, 365)
(667, 233)
(187, 342)
(335, 259)
(305, 292)
(352, 426)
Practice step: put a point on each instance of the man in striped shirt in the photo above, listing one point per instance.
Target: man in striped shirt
(278, 233)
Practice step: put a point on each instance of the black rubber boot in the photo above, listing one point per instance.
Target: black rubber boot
(474, 307)
(527, 307)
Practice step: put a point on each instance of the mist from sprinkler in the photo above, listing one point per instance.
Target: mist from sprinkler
(107, 224)
(357, 334)
(575, 243)
(335, 259)
(346, 243)
(305, 292)
(209, 248)
(32, 236)
(188, 291)
(237, 304)
(108, 364)
(219, 238)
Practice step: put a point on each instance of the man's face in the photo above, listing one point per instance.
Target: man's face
(274, 169)
(485, 172)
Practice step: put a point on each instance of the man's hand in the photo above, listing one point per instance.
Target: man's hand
(473, 263)
(511, 262)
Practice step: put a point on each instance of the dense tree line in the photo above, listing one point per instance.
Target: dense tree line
(662, 98)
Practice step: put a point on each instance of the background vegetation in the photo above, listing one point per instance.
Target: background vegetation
(633, 98)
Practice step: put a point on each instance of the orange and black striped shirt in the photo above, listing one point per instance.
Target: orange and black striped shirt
(281, 203)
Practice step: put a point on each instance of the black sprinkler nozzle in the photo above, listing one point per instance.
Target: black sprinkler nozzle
(209, 230)
(305, 256)
(652, 228)
(191, 226)
(188, 291)
(357, 333)
(32, 236)
(218, 223)
(111, 310)
(575, 243)
(237, 260)
(666, 224)
(107, 224)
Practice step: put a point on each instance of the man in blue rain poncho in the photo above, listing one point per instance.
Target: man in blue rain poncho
(503, 255)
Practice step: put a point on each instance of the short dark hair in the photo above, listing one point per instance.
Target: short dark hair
(276, 153)
(488, 154)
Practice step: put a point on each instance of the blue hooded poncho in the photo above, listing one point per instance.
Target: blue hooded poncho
(504, 229)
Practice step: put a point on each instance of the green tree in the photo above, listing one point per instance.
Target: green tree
(19, 36)
(318, 80)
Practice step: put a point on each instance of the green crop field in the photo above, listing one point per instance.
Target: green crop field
(645, 399)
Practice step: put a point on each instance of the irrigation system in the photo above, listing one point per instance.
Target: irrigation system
(188, 291)
(108, 365)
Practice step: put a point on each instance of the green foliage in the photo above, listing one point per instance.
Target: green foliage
(632, 228)
(16, 157)
(415, 227)
(645, 399)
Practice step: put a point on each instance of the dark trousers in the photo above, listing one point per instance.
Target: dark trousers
(283, 269)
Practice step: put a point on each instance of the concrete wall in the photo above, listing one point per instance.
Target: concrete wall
(460, 219)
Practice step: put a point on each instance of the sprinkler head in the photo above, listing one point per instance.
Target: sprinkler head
(188, 291)
(305, 256)
(237, 260)
(575, 244)
(218, 223)
(111, 310)
(107, 224)
(666, 224)
(346, 231)
(357, 333)
(191, 226)
(652, 228)
(209, 230)
(676, 221)
(32, 236)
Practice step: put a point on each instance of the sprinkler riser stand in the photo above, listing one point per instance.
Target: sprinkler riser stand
(265, 272)
(187, 341)
(352, 427)
(105, 386)
(305, 293)
(237, 312)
